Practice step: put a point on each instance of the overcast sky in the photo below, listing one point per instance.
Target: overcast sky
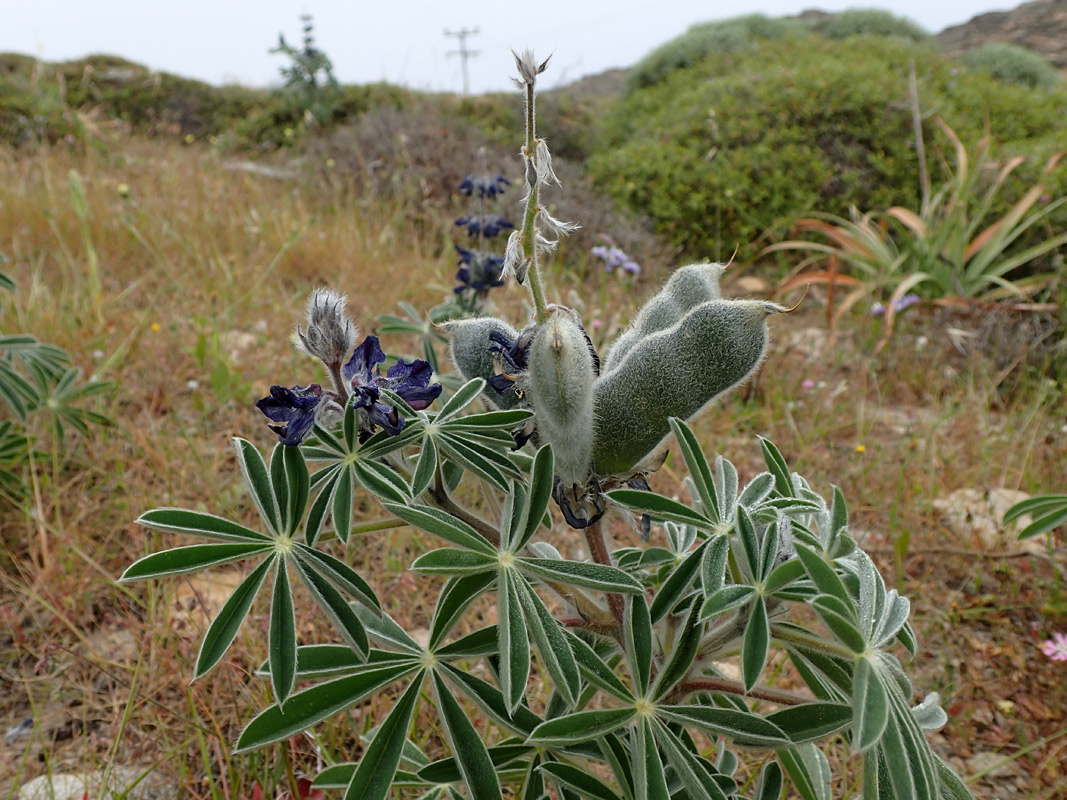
(399, 41)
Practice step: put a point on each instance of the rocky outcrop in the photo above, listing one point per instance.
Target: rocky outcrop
(1041, 26)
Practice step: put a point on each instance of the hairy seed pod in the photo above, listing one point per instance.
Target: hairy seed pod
(675, 372)
(687, 288)
(559, 385)
(472, 353)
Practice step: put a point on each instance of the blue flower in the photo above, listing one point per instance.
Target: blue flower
(487, 225)
(297, 409)
(908, 300)
(479, 270)
(294, 408)
(410, 380)
(615, 258)
(484, 185)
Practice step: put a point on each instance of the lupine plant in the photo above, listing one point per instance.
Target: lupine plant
(480, 269)
(720, 654)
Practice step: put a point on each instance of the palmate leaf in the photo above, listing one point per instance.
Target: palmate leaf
(454, 598)
(686, 647)
(582, 726)
(490, 700)
(870, 706)
(446, 770)
(340, 575)
(181, 520)
(281, 637)
(257, 478)
(579, 573)
(746, 729)
(335, 607)
(580, 781)
(224, 627)
(698, 467)
(756, 644)
(553, 646)
(441, 523)
(809, 771)
(454, 562)
(637, 641)
(310, 706)
(677, 583)
(373, 778)
(698, 783)
(596, 671)
(514, 641)
(542, 474)
(650, 779)
(479, 773)
(660, 508)
(191, 558)
(812, 720)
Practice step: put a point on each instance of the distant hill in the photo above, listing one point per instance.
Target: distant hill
(1040, 26)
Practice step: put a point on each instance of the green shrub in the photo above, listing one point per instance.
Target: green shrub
(722, 152)
(1012, 63)
(871, 22)
(725, 36)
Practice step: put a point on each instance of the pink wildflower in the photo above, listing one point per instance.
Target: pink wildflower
(1056, 647)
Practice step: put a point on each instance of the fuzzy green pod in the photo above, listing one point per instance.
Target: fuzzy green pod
(559, 386)
(687, 288)
(470, 348)
(676, 372)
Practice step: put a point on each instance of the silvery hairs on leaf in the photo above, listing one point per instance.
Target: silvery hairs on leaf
(330, 335)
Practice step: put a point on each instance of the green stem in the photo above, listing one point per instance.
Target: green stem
(728, 686)
(529, 232)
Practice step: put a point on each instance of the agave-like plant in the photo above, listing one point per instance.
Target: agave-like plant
(947, 248)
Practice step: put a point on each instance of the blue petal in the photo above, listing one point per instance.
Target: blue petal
(295, 408)
(412, 382)
(366, 356)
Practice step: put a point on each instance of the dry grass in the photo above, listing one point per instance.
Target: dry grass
(205, 271)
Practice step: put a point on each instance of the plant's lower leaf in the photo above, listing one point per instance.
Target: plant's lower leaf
(309, 706)
(650, 779)
(756, 644)
(223, 629)
(770, 785)
(582, 726)
(334, 605)
(577, 780)
(456, 595)
(183, 520)
(870, 706)
(746, 729)
(373, 777)
(677, 583)
(191, 558)
(281, 639)
(809, 771)
(697, 782)
(660, 508)
(812, 720)
(514, 641)
(479, 773)
(452, 561)
(447, 770)
(488, 698)
(553, 645)
(580, 573)
(596, 671)
(340, 575)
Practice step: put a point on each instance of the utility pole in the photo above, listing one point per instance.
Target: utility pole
(463, 52)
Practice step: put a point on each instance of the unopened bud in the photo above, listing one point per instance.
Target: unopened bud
(330, 335)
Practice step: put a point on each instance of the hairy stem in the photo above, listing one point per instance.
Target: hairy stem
(529, 231)
(728, 686)
(598, 549)
(442, 499)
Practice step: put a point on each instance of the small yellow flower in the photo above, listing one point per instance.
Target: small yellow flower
(860, 448)
(330, 163)
(123, 189)
(155, 327)
(189, 138)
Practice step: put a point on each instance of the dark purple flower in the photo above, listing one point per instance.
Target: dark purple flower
(484, 185)
(410, 380)
(487, 225)
(294, 408)
(479, 270)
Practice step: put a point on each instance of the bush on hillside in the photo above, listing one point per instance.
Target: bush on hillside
(719, 153)
(871, 22)
(699, 41)
(1012, 63)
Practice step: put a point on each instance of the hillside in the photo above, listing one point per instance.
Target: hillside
(1040, 26)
